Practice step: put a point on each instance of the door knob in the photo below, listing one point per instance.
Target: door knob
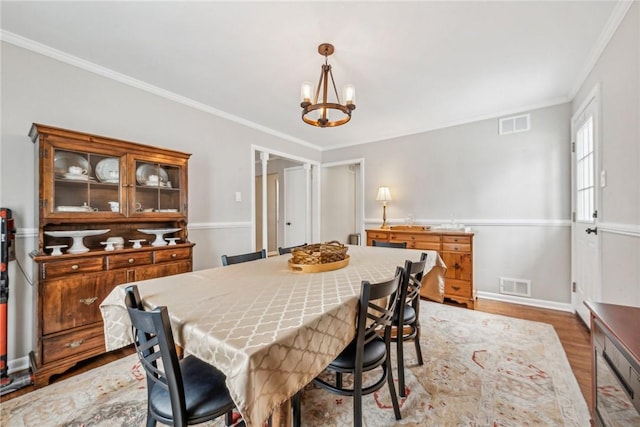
(288, 223)
(593, 230)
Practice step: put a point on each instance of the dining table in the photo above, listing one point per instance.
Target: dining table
(271, 330)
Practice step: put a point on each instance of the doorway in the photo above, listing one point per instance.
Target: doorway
(585, 243)
(343, 201)
(269, 162)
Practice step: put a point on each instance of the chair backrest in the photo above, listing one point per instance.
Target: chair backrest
(237, 259)
(411, 284)
(400, 245)
(372, 317)
(282, 251)
(153, 340)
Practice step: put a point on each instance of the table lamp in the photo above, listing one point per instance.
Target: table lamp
(384, 196)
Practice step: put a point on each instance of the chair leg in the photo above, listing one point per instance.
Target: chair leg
(151, 422)
(297, 409)
(400, 345)
(357, 398)
(416, 340)
(392, 390)
(339, 379)
(228, 418)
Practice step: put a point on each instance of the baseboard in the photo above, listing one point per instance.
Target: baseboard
(17, 365)
(552, 305)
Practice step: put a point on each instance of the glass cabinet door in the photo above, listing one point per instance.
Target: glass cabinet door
(157, 188)
(85, 183)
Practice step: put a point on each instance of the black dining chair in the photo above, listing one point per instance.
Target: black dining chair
(282, 251)
(237, 259)
(409, 312)
(179, 392)
(369, 350)
(399, 245)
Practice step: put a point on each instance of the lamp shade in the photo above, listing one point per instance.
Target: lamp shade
(384, 195)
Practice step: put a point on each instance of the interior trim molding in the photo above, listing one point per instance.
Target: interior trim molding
(617, 15)
(488, 222)
(532, 302)
(617, 228)
(66, 58)
(218, 225)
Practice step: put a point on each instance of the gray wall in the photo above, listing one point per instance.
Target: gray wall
(617, 72)
(39, 89)
(513, 190)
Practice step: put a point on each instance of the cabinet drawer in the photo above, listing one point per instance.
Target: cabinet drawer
(456, 247)
(377, 235)
(74, 301)
(429, 246)
(463, 240)
(457, 287)
(162, 270)
(172, 255)
(63, 268)
(129, 260)
(82, 341)
(430, 238)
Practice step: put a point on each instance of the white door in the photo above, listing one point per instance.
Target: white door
(295, 202)
(585, 243)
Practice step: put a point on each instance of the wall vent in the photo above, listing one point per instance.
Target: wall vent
(519, 287)
(514, 124)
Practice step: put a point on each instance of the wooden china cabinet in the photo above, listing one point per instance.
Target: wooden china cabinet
(91, 190)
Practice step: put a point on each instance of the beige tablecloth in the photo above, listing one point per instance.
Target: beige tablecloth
(268, 329)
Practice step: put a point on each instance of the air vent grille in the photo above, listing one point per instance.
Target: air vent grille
(515, 124)
(519, 287)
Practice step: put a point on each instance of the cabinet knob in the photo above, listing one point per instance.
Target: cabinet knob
(74, 344)
(88, 301)
(75, 267)
(131, 260)
(456, 266)
(456, 288)
(174, 255)
(456, 248)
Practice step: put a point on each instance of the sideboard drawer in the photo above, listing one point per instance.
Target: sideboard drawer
(172, 255)
(401, 237)
(129, 260)
(63, 268)
(463, 240)
(378, 235)
(457, 287)
(79, 341)
(456, 247)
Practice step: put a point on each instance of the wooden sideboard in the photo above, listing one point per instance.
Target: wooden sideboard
(615, 364)
(99, 187)
(455, 248)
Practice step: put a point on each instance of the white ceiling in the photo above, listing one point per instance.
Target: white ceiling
(416, 65)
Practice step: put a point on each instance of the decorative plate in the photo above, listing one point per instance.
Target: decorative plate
(145, 169)
(62, 160)
(108, 170)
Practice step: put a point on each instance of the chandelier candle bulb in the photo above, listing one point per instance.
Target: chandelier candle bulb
(305, 93)
(349, 94)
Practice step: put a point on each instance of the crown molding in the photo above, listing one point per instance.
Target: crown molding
(617, 15)
(66, 58)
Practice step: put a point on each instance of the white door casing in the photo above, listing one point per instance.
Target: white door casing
(585, 244)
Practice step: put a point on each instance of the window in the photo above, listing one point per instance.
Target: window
(585, 159)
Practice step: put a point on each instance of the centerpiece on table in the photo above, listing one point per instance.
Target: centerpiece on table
(319, 257)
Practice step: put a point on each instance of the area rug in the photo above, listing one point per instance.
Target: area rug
(479, 369)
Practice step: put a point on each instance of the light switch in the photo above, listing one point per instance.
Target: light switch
(238, 196)
(603, 178)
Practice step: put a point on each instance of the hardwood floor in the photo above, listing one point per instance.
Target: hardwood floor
(573, 334)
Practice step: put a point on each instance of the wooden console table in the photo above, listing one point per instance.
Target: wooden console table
(454, 247)
(615, 364)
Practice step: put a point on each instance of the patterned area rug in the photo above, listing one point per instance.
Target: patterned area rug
(479, 370)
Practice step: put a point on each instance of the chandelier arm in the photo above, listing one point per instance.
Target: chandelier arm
(334, 85)
(315, 99)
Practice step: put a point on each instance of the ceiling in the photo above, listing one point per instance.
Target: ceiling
(416, 65)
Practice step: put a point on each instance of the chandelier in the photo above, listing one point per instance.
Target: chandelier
(329, 114)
